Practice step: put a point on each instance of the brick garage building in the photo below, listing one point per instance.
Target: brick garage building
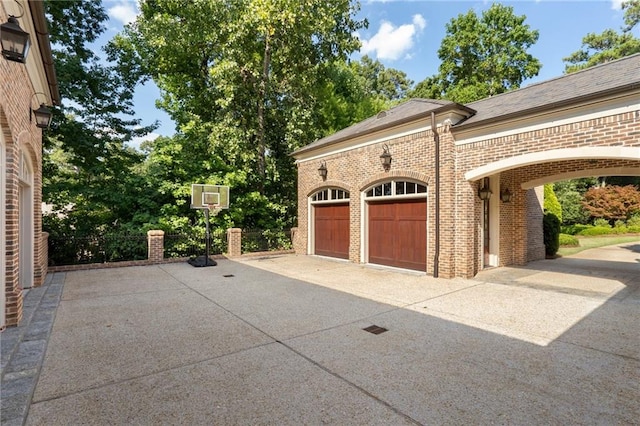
(23, 87)
(424, 211)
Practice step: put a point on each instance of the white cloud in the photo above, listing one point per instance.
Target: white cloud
(123, 11)
(392, 42)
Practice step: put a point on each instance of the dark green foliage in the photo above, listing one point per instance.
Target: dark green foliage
(551, 232)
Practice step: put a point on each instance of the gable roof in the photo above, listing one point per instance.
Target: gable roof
(609, 78)
(408, 111)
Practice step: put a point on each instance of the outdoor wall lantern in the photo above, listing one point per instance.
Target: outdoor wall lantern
(15, 41)
(322, 170)
(43, 114)
(385, 158)
(506, 195)
(484, 193)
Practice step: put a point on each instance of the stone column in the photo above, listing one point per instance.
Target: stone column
(234, 242)
(155, 240)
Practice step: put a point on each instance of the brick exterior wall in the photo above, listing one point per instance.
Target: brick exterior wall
(21, 137)
(520, 221)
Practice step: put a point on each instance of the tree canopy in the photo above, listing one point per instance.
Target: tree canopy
(482, 56)
(608, 45)
(86, 165)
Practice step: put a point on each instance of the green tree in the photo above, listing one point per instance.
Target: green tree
(608, 45)
(570, 195)
(86, 165)
(483, 56)
(242, 80)
(389, 83)
(551, 203)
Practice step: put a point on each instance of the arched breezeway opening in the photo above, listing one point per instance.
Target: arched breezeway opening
(394, 224)
(330, 218)
(515, 227)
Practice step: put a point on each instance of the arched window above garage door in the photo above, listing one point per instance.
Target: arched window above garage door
(330, 195)
(397, 189)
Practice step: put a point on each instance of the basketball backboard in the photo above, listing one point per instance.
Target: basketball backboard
(204, 196)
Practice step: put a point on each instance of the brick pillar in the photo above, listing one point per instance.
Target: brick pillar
(234, 242)
(294, 236)
(155, 241)
(43, 256)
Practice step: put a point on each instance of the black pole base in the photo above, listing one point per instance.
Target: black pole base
(201, 261)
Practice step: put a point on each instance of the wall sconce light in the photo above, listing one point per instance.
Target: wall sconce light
(385, 158)
(484, 193)
(322, 170)
(506, 195)
(15, 41)
(43, 114)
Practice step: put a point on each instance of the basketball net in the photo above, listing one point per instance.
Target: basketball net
(214, 209)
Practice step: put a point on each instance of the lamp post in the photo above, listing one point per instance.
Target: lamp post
(15, 41)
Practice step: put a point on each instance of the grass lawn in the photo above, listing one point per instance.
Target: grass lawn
(599, 241)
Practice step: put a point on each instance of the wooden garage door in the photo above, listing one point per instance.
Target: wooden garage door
(332, 230)
(398, 234)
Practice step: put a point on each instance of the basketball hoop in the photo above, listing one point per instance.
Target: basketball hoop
(212, 199)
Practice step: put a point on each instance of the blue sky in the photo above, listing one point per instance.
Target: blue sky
(406, 35)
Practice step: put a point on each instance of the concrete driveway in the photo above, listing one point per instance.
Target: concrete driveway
(281, 340)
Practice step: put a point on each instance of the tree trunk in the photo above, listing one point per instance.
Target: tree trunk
(264, 86)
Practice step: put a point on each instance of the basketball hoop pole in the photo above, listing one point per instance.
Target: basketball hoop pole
(208, 244)
(213, 209)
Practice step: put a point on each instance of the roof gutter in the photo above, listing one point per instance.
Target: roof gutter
(416, 117)
(42, 35)
(436, 140)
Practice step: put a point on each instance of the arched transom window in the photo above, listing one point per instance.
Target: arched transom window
(397, 188)
(330, 195)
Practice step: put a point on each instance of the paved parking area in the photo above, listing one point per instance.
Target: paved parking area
(280, 340)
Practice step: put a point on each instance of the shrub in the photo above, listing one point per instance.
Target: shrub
(634, 221)
(596, 230)
(551, 203)
(619, 224)
(573, 229)
(602, 223)
(569, 241)
(551, 231)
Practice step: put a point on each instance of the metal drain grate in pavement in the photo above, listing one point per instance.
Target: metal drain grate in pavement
(374, 329)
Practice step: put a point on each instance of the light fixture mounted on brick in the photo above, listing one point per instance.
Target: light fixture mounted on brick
(322, 170)
(43, 114)
(484, 193)
(385, 158)
(14, 40)
(506, 195)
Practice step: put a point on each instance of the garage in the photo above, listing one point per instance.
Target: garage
(398, 226)
(331, 223)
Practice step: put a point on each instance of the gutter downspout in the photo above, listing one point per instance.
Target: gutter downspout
(436, 139)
